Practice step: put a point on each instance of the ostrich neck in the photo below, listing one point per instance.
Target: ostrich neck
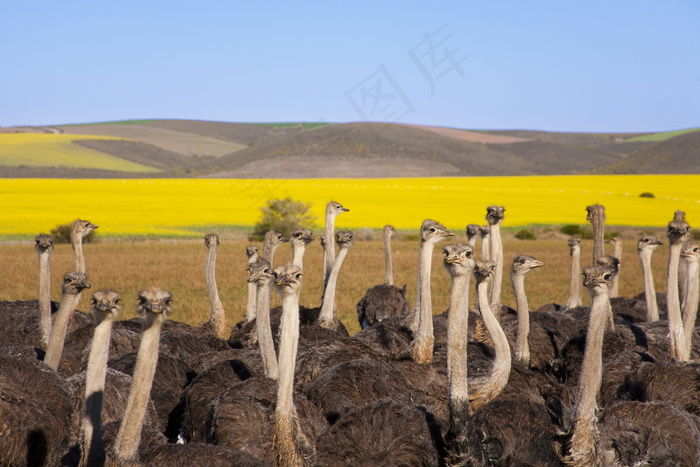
(45, 297)
(690, 304)
(522, 347)
(129, 435)
(264, 331)
(471, 241)
(675, 323)
(583, 431)
(298, 251)
(422, 323)
(649, 288)
(215, 323)
(285, 419)
(92, 449)
(457, 322)
(269, 252)
(500, 371)
(497, 256)
(486, 247)
(598, 239)
(77, 244)
(329, 247)
(58, 332)
(250, 313)
(388, 268)
(575, 288)
(327, 318)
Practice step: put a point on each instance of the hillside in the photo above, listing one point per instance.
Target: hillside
(191, 148)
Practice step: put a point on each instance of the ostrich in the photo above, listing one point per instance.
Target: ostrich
(677, 232)
(494, 216)
(79, 230)
(328, 317)
(596, 216)
(273, 240)
(690, 254)
(485, 234)
(333, 208)
(73, 284)
(388, 232)
(260, 273)
(616, 242)
(215, 324)
(473, 232)
(645, 247)
(574, 299)
(251, 252)
(421, 320)
(300, 240)
(627, 433)
(106, 306)
(44, 247)
(154, 306)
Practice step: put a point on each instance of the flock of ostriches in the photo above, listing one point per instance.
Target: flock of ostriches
(616, 383)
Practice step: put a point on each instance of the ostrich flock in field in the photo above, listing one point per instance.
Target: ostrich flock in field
(614, 383)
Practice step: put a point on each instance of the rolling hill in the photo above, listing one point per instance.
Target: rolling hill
(192, 148)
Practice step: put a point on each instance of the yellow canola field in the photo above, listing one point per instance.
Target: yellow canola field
(54, 150)
(192, 207)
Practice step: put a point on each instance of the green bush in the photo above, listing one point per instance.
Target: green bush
(646, 194)
(283, 215)
(586, 234)
(525, 234)
(61, 234)
(571, 229)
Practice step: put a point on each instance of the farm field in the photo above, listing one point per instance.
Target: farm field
(189, 208)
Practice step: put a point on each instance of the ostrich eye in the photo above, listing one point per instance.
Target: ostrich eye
(432, 229)
(267, 271)
(94, 301)
(168, 301)
(298, 276)
(695, 249)
(468, 254)
(118, 301)
(606, 277)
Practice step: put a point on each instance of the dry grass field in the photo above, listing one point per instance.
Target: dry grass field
(178, 265)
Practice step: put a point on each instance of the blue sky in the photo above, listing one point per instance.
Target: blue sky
(623, 66)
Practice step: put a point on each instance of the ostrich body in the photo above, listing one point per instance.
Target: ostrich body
(251, 252)
(79, 230)
(73, 284)
(260, 274)
(106, 306)
(574, 299)
(328, 316)
(421, 321)
(645, 247)
(522, 265)
(690, 254)
(154, 307)
(44, 247)
(596, 216)
(333, 208)
(215, 324)
(628, 433)
(677, 232)
(388, 232)
(494, 216)
(300, 240)
(616, 242)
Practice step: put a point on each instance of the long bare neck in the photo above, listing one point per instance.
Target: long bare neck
(675, 322)
(422, 319)
(45, 297)
(649, 287)
(457, 322)
(522, 346)
(269, 252)
(328, 317)
(388, 268)
(486, 247)
(329, 246)
(598, 239)
(91, 446)
(76, 242)
(615, 287)
(298, 250)
(129, 435)
(69, 302)
(582, 450)
(690, 304)
(575, 288)
(264, 331)
(500, 371)
(286, 428)
(215, 323)
(496, 252)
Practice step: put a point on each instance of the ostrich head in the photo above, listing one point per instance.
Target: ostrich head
(275, 238)
(74, 283)
(251, 250)
(334, 208)
(210, 240)
(388, 230)
(494, 214)
(43, 243)
(595, 212)
(344, 238)
(598, 278)
(677, 230)
(459, 259)
(690, 251)
(106, 302)
(473, 230)
(574, 242)
(648, 242)
(81, 228)
(154, 300)
(302, 237)
(484, 230)
(614, 240)
(288, 279)
(433, 232)
(259, 270)
(483, 271)
(610, 262)
(523, 264)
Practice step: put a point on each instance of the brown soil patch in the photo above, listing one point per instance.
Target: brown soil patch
(472, 136)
